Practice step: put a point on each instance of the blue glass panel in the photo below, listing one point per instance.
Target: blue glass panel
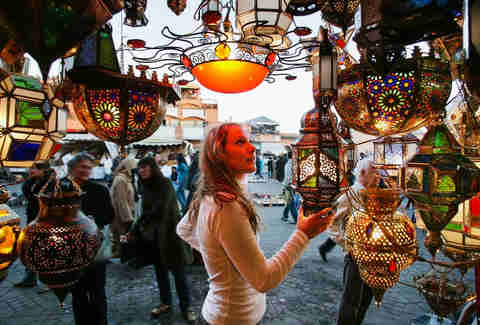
(23, 151)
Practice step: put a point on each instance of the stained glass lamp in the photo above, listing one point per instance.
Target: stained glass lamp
(9, 234)
(315, 161)
(438, 178)
(405, 99)
(390, 153)
(32, 120)
(47, 29)
(263, 22)
(112, 106)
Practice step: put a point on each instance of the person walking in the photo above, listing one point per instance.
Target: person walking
(182, 172)
(122, 194)
(270, 167)
(357, 296)
(40, 172)
(89, 300)
(289, 192)
(223, 225)
(193, 177)
(162, 246)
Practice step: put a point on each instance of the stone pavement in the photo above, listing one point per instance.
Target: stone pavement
(309, 295)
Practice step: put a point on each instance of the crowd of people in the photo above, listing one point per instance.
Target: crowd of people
(217, 219)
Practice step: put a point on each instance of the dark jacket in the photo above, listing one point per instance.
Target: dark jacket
(30, 189)
(96, 203)
(158, 222)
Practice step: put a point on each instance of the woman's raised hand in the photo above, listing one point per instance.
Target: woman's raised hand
(316, 223)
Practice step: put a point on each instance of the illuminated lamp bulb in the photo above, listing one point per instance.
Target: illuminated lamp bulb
(222, 51)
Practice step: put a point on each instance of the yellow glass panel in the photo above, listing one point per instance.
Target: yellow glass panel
(7, 240)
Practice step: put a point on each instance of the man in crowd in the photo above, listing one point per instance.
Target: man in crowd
(289, 192)
(89, 299)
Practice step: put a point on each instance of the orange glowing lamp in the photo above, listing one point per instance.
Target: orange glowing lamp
(230, 76)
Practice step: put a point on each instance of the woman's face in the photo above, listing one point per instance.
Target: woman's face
(145, 171)
(239, 152)
(34, 172)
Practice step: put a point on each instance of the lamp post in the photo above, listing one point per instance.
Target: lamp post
(315, 160)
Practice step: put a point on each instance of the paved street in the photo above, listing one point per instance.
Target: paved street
(309, 295)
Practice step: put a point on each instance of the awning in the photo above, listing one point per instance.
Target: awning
(158, 142)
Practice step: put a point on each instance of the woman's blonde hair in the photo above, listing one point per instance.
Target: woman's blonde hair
(215, 176)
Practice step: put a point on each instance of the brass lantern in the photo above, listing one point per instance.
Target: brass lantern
(381, 240)
(316, 173)
(32, 119)
(9, 234)
(211, 13)
(390, 153)
(113, 106)
(438, 178)
(264, 22)
(135, 13)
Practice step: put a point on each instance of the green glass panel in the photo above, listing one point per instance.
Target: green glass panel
(440, 209)
(29, 115)
(446, 184)
(302, 153)
(332, 152)
(454, 226)
(107, 54)
(440, 140)
(26, 82)
(311, 182)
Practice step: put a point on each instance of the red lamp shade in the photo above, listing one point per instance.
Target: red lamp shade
(230, 76)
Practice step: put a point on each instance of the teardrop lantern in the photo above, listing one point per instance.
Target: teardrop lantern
(61, 241)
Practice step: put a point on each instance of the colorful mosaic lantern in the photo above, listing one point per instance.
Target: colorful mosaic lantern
(47, 29)
(381, 240)
(112, 106)
(390, 153)
(438, 178)
(61, 241)
(32, 120)
(135, 13)
(407, 98)
(315, 167)
(340, 12)
(9, 234)
(264, 22)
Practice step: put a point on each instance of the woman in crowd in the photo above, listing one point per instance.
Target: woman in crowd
(122, 193)
(39, 174)
(223, 225)
(182, 176)
(156, 228)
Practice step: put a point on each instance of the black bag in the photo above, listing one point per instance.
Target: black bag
(136, 252)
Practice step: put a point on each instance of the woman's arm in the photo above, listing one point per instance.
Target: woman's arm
(240, 243)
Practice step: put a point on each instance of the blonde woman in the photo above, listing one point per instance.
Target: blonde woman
(223, 225)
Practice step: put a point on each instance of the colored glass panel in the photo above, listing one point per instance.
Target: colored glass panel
(108, 56)
(312, 182)
(29, 115)
(26, 82)
(23, 151)
(105, 104)
(141, 114)
(446, 184)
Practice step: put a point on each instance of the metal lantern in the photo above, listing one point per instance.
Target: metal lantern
(47, 29)
(316, 173)
(339, 12)
(390, 153)
(438, 178)
(263, 22)
(211, 12)
(9, 234)
(31, 120)
(382, 241)
(135, 13)
(61, 241)
(177, 6)
(112, 106)
(413, 93)
(348, 147)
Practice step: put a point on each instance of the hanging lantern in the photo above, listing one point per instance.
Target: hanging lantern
(61, 241)
(47, 29)
(115, 107)
(438, 178)
(389, 23)
(390, 154)
(135, 13)
(263, 22)
(315, 161)
(381, 241)
(339, 12)
(349, 154)
(177, 6)
(405, 99)
(303, 7)
(32, 120)
(9, 234)
(211, 12)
